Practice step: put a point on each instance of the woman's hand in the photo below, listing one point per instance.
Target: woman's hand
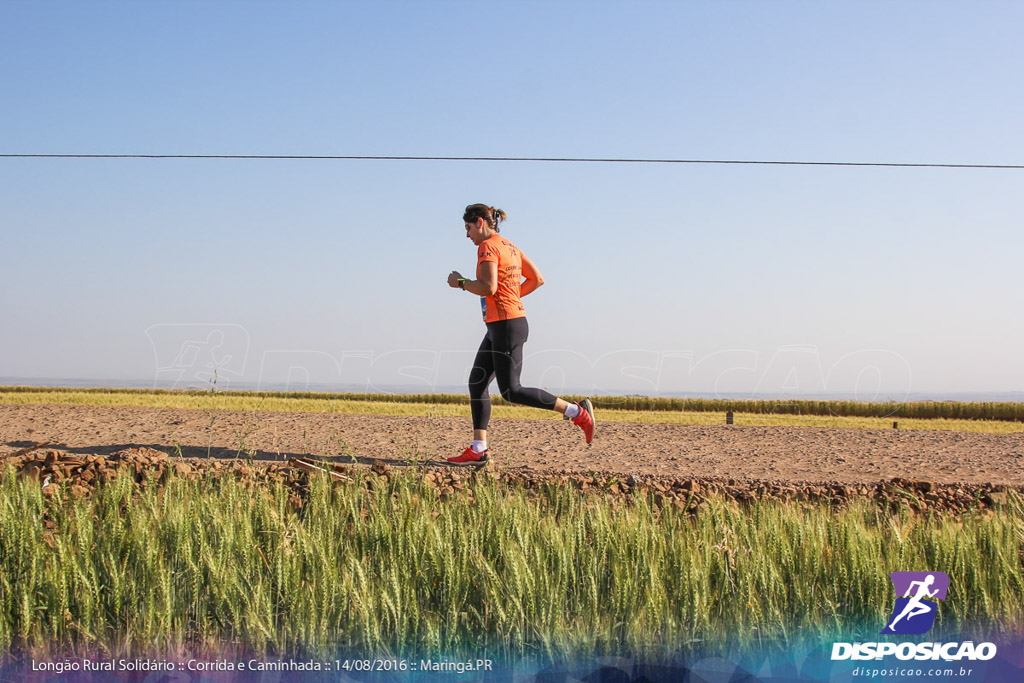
(453, 279)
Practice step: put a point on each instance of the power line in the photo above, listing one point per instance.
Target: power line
(536, 159)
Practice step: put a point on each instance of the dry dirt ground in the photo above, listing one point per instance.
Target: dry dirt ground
(793, 455)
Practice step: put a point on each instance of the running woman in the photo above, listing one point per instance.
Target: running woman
(503, 276)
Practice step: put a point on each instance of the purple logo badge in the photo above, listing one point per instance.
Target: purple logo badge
(916, 595)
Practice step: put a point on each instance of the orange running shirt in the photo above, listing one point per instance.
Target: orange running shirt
(505, 304)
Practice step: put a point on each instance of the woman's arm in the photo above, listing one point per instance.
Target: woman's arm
(533, 277)
(487, 285)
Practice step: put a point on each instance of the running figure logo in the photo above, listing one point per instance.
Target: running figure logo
(914, 612)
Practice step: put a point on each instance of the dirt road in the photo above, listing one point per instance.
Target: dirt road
(793, 454)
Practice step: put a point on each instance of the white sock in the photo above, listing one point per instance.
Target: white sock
(572, 411)
(479, 446)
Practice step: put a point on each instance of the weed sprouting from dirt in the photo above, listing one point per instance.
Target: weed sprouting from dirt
(209, 435)
(245, 449)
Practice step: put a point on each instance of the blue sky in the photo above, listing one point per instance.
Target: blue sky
(660, 279)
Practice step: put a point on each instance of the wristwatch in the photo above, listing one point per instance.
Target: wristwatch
(462, 283)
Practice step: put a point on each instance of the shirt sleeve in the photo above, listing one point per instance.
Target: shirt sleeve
(486, 252)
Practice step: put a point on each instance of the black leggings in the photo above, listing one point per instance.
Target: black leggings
(501, 356)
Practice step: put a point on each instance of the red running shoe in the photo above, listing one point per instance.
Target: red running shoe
(471, 457)
(585, 420)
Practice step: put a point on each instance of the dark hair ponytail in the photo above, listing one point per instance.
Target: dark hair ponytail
(493, 216)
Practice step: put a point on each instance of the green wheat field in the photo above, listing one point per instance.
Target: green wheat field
(217, 565)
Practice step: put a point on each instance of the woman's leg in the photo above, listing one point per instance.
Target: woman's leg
(509, 338)
(480, 405)
(479, 379)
